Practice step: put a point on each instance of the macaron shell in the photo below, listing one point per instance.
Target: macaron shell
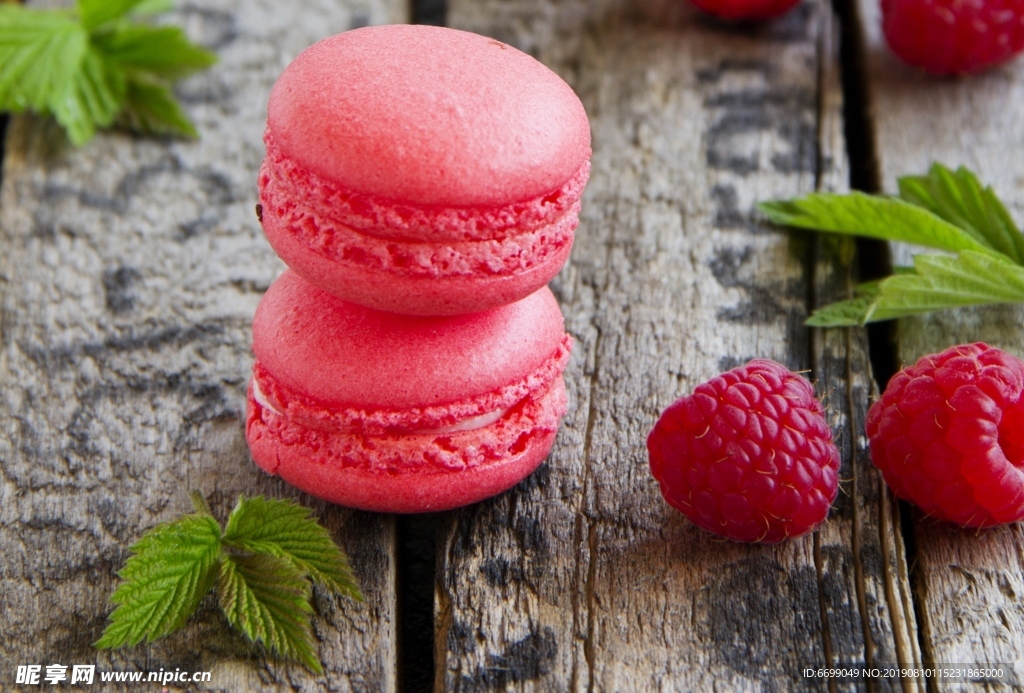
(370, 286)
(393, 474)
(430, 116)
(342, 353)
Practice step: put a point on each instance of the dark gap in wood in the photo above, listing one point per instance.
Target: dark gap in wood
(830, 656)
(417, 550)
(433, 12)
(857, 108)
(815, 250)
(874, 258)
(870, 646)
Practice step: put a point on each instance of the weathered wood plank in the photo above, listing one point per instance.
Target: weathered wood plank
(130, 272)
(582, 578)
(969, 584)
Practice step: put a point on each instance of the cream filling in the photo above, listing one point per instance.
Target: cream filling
(258, 395)
(470, 424)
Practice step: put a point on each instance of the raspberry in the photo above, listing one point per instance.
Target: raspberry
(953, 36)
(748, 455)
(948, 435)
(745, 9)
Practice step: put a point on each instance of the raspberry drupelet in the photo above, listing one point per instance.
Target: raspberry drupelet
(948, 435)
(748, 455)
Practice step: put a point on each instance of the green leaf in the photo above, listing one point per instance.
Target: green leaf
(847, 313)
(152, 109)
(939, 282)
(172, 568)
(147, 7)
(885, 218)
(162, 51)
(285, 529)
(199, 504)
(41, 52)
(267, 598)
(961, 200)
(93, 101)
(262, 574)
(88, 70)
(96, 13)
(942, 282)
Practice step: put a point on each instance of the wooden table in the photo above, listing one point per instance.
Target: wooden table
(131, 268)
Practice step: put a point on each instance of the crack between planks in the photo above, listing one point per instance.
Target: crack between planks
(826, 635)
(857, 529)
(416, 568)
(589, 592)
(812, 300)
(431, 12)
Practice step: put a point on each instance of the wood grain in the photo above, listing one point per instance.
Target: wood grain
(969, 585)
(582, 578)
(130, 271)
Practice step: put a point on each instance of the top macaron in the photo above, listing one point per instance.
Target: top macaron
(423, 170)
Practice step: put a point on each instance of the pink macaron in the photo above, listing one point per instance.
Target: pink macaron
(400, 413)
(423, 170)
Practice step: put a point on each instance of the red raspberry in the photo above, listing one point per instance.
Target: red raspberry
(748, 455)
(952, 36)
(745, 9)
(948, 434)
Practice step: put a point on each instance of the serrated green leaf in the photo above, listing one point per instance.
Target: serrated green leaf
(152, 109)
(40, 54)
(161, 51)
(87, 71)
(199, 503)
(942, 282)
(842, 313)
(267, 598)
(849, 312)
(171, 569)
(95, 13)
(96, 96)
(938, 282)
(885, 218)
(285, 529)
(959, 198)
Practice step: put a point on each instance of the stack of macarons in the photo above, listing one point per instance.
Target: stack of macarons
(423, 185)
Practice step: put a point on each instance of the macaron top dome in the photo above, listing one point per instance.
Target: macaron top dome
(342, 353)
(429, 116)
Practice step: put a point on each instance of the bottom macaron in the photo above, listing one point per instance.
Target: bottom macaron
(397, 413)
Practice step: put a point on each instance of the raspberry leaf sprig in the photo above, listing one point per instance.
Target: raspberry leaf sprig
(262, 563)
(945, 210)
(95, 65)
